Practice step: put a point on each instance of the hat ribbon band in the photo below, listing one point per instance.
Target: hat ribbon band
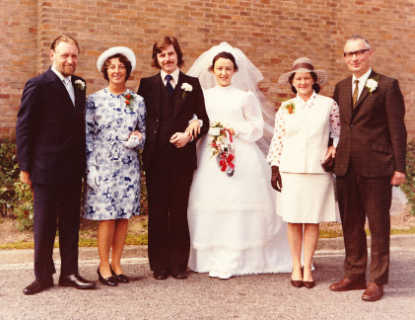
(303, 65)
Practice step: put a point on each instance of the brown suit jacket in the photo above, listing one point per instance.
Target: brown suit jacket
(373, 134)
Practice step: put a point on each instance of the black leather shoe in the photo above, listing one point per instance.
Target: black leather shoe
(180, 275)
(37, 286)
(162, 275)
(110, 281)
(121, 278)
(76, 281)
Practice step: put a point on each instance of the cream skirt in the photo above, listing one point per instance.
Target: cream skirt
(307, 198)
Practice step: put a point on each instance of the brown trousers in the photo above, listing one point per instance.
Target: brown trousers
(360, 197)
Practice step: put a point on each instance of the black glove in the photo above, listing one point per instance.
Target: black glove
(276, 181)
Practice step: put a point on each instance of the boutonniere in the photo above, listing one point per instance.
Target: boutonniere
(290, 107)
(186, 87)
(371, 85)
(80, 84)
(128, 98)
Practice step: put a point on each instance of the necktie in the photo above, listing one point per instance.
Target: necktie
(355, 92)
(70, 89)
(169, 87)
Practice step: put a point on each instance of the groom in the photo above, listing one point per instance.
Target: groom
(50, 138)
(370, 159)
(172, 99)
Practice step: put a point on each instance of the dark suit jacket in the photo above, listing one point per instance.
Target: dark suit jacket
(50, 131)
(186, 104)
(373, 134)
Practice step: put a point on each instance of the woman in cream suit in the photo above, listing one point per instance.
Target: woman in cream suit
(303, 126)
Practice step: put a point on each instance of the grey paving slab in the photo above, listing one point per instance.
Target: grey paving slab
(200, 297)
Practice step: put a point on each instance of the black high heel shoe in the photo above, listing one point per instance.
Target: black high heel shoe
(297, 283)
(122, 278)
(309, 284)
(110, 281)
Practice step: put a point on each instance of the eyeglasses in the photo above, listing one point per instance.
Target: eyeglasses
(358, 53)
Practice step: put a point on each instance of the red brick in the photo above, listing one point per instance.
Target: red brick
(271, 32)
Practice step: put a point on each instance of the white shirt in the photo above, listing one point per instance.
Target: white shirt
(174, 74)
(67, 83)
(362, 82)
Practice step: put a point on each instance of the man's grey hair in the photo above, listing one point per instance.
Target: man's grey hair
(359, 37)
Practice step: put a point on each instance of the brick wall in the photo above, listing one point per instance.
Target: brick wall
(18, 56)
(271, 32)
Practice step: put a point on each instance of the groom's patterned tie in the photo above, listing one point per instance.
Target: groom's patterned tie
(169, 87)
(355, 92)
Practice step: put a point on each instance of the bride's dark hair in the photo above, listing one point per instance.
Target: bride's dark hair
(224, 55)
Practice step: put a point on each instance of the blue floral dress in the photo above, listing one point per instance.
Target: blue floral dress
(113, 170)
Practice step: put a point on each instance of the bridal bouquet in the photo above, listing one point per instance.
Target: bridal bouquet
(222, 140)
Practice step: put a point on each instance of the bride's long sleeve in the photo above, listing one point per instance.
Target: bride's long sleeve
(252, 128)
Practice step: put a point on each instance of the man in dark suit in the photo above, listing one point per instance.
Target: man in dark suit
(50, 137)
(370, 159)
(172, 99)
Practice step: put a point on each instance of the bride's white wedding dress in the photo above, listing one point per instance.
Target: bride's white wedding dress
(234, 229)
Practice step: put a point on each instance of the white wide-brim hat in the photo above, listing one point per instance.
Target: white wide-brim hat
(127, 52)
(304, 64)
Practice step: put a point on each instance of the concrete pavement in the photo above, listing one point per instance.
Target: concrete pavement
(199, 297)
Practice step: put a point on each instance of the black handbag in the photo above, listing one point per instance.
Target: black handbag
(328, 165)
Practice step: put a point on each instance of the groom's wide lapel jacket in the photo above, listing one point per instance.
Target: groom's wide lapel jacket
(373, 134)
(185, 104)
(50, 130)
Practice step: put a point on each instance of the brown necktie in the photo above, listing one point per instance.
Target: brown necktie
(355, 92)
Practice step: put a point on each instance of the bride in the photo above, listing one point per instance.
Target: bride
(234, 229)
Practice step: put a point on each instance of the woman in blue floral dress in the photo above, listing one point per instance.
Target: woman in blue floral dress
(115, 130)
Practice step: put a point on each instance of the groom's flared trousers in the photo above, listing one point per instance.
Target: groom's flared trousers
(168, 231)
(56, 206)
(360, 197)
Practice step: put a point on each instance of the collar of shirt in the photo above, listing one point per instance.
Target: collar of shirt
(362, 81)
(67, 83)
(308, 103)
(174, 74)
(60, 76)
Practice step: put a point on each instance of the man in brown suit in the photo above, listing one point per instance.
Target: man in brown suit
(370, 159)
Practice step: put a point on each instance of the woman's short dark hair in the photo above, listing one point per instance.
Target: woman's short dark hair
(315, 86)
(224, 55)
(123, 59)
(159, 46)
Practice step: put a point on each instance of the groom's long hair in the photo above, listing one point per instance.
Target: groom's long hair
(159, 46)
